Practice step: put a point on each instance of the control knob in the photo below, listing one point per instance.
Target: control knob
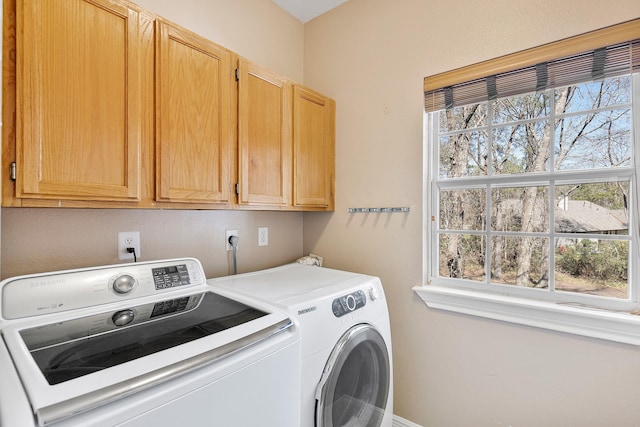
(123, 317)
(123, 284)
(350, 302)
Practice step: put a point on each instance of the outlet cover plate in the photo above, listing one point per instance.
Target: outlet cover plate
(263, 236)
(128, 239)
(228, 234)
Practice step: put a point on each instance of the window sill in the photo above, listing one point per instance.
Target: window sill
(594, 323)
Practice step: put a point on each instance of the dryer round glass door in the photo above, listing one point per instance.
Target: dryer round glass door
(355, 384)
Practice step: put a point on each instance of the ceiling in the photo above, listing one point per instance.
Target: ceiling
(306, 10)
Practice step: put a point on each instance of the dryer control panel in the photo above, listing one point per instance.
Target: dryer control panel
(348, 303)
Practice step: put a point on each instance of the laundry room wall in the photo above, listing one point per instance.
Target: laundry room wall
(450, 370)
(36, 240)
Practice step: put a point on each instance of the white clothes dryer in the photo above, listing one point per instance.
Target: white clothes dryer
(346, 377)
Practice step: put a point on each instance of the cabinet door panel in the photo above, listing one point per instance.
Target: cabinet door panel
(193, 118)
(264, 136)
(78, 101)
(314, 118)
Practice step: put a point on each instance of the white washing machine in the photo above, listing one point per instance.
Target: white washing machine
(347, 377)
(143, 344)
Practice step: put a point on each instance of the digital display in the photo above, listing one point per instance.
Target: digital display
(170, 277)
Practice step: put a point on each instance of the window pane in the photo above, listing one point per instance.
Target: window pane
(462, 256)
(463, 118)
(559, 136)
(463, 154)
(595, 140)
(587, 96)
(590, 266)
(524, 209)
(462, 209)
(523, 107)
(520, 261)
(599, 207)
(521, 148)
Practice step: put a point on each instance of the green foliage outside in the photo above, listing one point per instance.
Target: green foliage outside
(606, 194)
(604, 261)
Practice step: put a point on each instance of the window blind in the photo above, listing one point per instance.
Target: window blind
(542, 69)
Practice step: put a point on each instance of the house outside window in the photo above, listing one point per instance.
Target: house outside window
(531, 198)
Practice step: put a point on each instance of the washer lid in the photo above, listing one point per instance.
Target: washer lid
(75, 364)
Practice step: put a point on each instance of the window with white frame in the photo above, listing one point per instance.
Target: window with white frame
(531, 192)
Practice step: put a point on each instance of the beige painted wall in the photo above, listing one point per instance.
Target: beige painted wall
(35, 240)
(259, 30)
(450, 370)
(371, 56)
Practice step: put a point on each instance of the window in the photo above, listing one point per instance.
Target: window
(533, 191)
(531, 195)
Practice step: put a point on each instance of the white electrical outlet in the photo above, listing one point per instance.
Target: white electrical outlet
(263, 236)
(128, 239)
(228, 234)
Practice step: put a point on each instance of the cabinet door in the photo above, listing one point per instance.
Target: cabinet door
(264, 136)
(313, 149)
(193, 118)
(78, 100)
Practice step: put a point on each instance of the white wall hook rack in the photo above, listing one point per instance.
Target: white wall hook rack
(379, 210)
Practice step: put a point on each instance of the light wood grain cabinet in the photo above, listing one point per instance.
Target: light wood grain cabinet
(313, 149)
(193, 118)
(78, 100)
(264, 136)
(285, 142)
(108, 105)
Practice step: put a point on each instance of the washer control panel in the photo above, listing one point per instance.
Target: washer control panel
(171, 276)
(348, 303)
(54, 292)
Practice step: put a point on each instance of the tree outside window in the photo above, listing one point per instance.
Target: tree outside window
(534, 190)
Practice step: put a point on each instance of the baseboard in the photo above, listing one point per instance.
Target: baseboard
(401, 422)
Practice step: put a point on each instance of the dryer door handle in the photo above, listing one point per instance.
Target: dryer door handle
(326, 373)
(362, 340)
(337, 352)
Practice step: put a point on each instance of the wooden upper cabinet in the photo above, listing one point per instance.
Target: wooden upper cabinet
(264, 136)
(78, 100)
(194, 132)
(313, 149)
(108, 105)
